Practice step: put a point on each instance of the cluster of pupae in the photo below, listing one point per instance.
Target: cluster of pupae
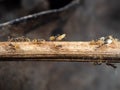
(26, 39)
(104, 41)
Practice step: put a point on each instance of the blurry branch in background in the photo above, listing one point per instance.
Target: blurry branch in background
(24, 25)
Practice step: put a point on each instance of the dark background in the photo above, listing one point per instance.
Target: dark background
(92, 19)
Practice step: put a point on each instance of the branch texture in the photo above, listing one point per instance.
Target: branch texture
(60, 51)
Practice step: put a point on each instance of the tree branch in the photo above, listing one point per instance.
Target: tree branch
(60, 51)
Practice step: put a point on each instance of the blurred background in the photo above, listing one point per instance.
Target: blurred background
(91, 20)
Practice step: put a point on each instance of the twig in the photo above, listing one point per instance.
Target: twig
(60, 51)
